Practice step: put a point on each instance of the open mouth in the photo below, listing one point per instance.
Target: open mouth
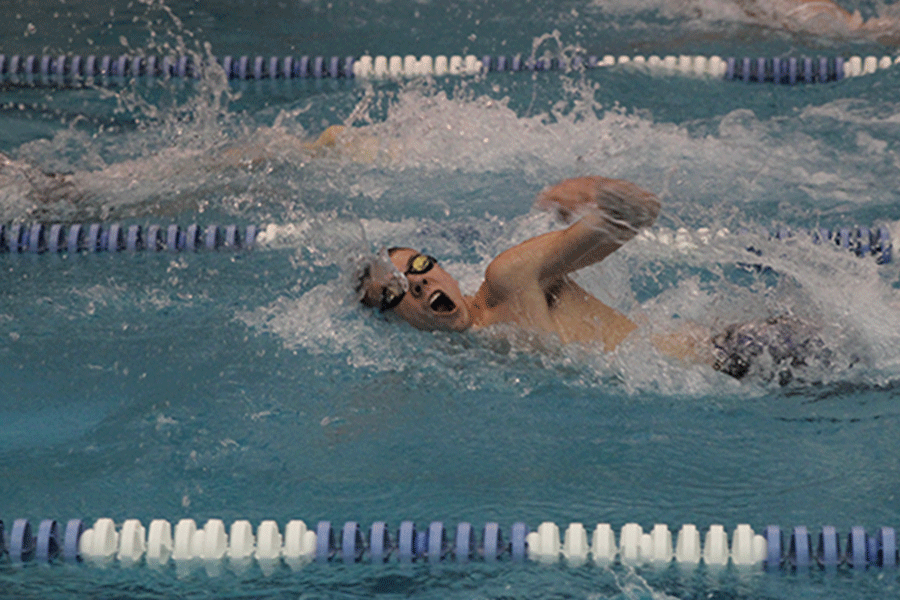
(441, 302)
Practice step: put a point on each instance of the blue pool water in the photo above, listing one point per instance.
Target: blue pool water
(249, 386)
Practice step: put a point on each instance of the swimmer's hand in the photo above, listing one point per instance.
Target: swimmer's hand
(601, 202)
(328, 139)
(273, 144)
(348, 143)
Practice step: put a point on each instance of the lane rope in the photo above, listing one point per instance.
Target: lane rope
(57, 238)
(65, 70)
(159, 544)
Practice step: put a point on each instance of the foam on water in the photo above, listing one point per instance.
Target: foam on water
(657, 286)
(740, 166)
(737, 156)
(453, 172)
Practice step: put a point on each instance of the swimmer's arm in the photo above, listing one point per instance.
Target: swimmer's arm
(609, 212)
(251, 155)
(612, 211)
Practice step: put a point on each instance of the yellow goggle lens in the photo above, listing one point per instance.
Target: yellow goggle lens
(421, 264)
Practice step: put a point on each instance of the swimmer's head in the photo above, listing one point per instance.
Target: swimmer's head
(414, 287)
(380, 284)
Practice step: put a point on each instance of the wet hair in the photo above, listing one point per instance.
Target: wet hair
(365, 276)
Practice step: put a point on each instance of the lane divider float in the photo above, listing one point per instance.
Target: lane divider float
(187, 545)
(63, 70)
(38, 238)
(58, 238)
(865, 242)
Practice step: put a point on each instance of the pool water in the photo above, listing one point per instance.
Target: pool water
(250, 385)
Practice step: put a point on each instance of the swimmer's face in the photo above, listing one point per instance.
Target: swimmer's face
(433, 300)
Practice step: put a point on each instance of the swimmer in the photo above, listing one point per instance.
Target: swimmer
(29, 191)
(820, 17)
(529, 286)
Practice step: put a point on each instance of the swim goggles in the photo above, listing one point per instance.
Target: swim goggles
(417, 265)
